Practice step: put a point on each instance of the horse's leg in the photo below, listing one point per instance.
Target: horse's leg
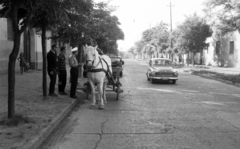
(93, 94)
(104, 91)
(100, 91)
(99, 97)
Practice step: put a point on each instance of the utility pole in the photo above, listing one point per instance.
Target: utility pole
(170, 16)
(171, 44)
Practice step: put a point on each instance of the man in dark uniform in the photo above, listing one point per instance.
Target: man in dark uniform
(62, 72)
(52, 68)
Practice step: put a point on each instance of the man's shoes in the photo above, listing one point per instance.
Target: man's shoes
(62, 93)
(75, 97)
(53, 95)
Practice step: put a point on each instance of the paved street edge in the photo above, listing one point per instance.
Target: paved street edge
(38, 140)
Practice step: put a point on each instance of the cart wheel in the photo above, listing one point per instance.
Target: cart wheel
(118, 88)
(21, 69)
(113, 87)
(87, 95)
(118, 91)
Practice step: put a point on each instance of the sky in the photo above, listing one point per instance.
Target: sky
(136, 16)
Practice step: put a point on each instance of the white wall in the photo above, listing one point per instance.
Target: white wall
(6, 47)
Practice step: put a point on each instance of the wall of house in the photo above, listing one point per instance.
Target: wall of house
(6, 47)
(237, 49)
(35, 47)
(37, 53)
(223, 57)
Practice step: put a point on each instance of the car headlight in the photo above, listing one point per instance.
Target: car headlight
(175, 73)
(153, 72)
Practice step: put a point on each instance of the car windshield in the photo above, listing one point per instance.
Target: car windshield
(161, 63)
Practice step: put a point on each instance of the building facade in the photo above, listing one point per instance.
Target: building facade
(223, 50)
(30, 46)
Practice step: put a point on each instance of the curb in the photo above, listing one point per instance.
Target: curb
(38, 140)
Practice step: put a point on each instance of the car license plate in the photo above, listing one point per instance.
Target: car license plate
(164, 78)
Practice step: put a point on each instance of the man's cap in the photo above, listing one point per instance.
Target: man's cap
(74, 49)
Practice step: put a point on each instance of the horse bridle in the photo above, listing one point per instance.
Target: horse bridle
(90, 61)
(93, 62)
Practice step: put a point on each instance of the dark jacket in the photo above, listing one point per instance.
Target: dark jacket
(51, 61)
(61, 62)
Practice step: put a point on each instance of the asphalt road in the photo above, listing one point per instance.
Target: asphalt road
(195, 113)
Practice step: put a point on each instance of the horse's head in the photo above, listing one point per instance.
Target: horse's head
(91, 55)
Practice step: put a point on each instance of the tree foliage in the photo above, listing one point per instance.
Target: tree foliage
(224, 14)
(105, 30)
(96, 23)
(191, 34)
(155, 39)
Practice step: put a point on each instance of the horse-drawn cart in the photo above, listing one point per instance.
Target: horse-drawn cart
(101, 74)
(113, 81)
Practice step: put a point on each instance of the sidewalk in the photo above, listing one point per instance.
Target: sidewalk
(220, 70)
(37, 117)
(226, 75)
(224, 70)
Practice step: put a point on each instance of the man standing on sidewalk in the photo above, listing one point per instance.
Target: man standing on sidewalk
(62, 72)
(73, 72)
(52, 68)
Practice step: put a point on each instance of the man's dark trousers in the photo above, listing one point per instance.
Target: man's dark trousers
(52, 67)
(74, 81)
(53, 78)
(62, 80)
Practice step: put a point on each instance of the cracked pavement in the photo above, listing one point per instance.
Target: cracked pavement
(196, 113)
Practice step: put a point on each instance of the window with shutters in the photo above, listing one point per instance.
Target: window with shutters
(9, 30)
(231, 47)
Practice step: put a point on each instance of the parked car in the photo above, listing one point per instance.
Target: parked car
(161, 69)
(117, 63)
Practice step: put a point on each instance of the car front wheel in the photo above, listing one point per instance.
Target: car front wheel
(173, 81)
(152, 80)
(148, 77)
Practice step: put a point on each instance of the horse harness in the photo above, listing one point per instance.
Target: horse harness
(94, 70)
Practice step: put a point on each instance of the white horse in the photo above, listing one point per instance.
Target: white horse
(98, 66)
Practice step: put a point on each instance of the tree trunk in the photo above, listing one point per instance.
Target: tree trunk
(193, 60)
(44, 55)
(11, 75)
(201, 57)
